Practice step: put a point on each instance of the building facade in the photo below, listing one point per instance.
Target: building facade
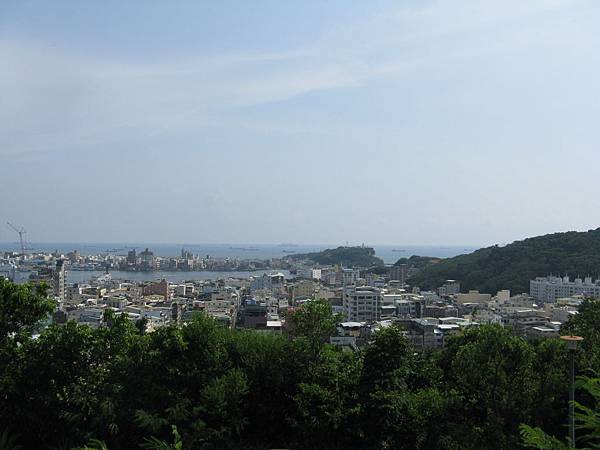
(362, 304)
(549, 289)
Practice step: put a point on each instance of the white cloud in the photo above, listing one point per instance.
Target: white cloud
(52, 98)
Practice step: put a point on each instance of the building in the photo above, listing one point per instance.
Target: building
(503, 296)
(147, 260)
(362, 304)
(399, 273)
(58, 280)
(439, 311)
(450, 287)
(522, 319)
(350, 276)
(542, 332)
(274, 282)
(422, 333)
(8, 270)
(54, 278)
(253, 314)
(160, 288)
(549, 289)
(131, 257)
(473, 297)
(73, 293)
(302, 289)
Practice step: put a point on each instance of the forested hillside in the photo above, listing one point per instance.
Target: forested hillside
(345, 256)
(511, 267)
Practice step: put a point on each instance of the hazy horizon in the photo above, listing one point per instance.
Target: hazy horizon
(438, 123)
(289, 243)
(280, 244)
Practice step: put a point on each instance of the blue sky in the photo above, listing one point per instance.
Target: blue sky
(431, 122)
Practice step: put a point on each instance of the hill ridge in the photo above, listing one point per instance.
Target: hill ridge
(494, 268)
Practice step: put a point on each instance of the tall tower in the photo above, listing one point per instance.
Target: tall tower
(176, 313)
(58, 280)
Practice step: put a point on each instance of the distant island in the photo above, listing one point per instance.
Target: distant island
(511, 267)
(346, 256)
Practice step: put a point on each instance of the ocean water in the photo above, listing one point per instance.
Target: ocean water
(389, 253)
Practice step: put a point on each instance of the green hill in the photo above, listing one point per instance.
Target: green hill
(346, 256)
(511, 267)
(418, 262)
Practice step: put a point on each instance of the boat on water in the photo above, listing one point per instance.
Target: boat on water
(398, 250)
(288, 251)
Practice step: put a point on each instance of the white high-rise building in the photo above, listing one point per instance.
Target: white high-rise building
(58, 280)
(350, 276)
(362, 304)
(549, 289)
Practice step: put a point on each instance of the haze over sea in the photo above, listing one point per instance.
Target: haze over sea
(389, 253)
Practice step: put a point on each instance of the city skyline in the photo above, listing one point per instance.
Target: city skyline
(427, 123)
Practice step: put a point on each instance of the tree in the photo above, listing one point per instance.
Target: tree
(22, 306)
(587, 420)
(45, 383)
(156, 444)
(586, 324)
(274, 366)
(314, 322)
(491, 371)
(327, 407)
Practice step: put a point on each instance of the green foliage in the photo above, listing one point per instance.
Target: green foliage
(156, 444)
(314, 322)
(402, 404)
(418, 262)
(22, 306)
(536, 438)
(344, 256)
(94, 444)
(511, 267)
(587, 423)
(492, 372)
(326, 407)
(376, 270)
(9, 441)
(223, 399)
(222, 388)
(551, 375)
(587, 325)
(587, 418)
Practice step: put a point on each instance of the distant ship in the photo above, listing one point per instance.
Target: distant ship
(399, 251)
(288, 251)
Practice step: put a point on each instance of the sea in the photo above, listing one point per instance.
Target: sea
(388, 253)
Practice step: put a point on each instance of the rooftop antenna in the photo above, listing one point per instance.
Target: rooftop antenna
(21, 231)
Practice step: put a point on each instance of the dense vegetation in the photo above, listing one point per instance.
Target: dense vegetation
(344, 256)
(204, 386)
(418, 262)
(413, 263)
(511, 267)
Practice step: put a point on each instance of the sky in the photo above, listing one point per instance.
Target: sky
(430, 122)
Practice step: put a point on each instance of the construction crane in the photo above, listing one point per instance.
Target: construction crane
(21, 232)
